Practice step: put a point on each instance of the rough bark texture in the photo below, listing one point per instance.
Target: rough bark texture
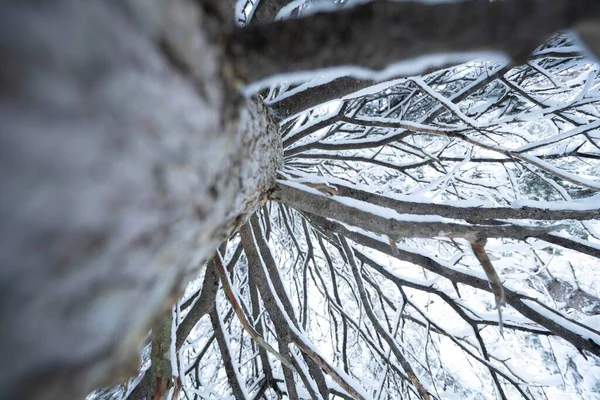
(160, 356)
(122, 170)
(267, 10)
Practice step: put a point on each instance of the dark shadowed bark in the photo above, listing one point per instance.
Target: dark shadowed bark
(314, 96)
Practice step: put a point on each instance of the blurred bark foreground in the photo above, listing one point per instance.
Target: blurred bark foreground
(124, 161)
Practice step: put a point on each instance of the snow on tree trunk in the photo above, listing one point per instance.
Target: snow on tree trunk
(124, 162)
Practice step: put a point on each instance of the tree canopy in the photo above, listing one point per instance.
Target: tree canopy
(404, 196)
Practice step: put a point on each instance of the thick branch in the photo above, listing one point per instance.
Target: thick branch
(387, 221)
(375, 34)
(204, 305)
(581, 246)
(313, 96)
(468, 213)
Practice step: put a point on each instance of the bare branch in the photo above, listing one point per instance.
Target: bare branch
(562, 326)
(240, 313)
(479, 214)
(401, 358)
(391, 224)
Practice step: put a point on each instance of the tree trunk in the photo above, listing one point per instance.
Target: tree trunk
(124, 161)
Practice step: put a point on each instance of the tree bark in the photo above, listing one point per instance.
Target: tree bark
(386, 221)
(267, 10)
(380, 32)
(479, 215)
(125, 160)
(161, 373)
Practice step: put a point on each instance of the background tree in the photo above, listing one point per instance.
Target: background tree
(133, 144)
